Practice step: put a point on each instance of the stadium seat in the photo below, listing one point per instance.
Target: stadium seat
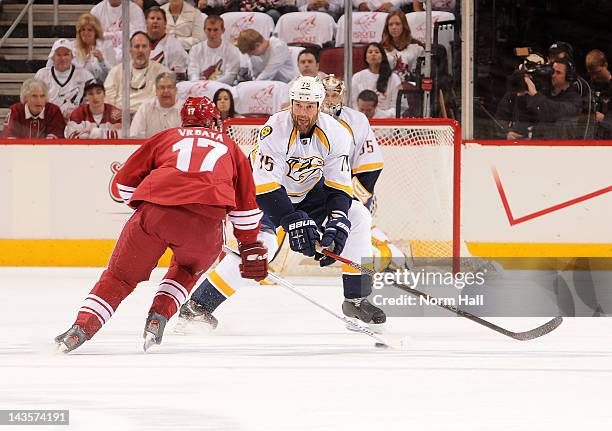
(446, 33)
(235, 22)
(367, 27)
(260, 98)
(306, 28)
(416, 21)
(187, 89)
(295, 51)
(332, 60)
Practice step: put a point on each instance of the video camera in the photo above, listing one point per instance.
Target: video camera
(533, 65)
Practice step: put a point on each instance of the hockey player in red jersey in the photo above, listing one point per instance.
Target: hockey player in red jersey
(182, 183)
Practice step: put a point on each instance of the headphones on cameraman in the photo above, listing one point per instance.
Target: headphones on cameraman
(570, 71)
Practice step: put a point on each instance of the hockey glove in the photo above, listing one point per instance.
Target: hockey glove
(302, 232)
(334, 238)
(254, 261)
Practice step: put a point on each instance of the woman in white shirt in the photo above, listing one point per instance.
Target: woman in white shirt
(379, 78)
(401, 49)
(92, 52)
(184, 22)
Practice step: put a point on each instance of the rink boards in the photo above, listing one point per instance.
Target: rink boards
(517, 200)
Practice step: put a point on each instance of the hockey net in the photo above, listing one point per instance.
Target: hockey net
(416, 196)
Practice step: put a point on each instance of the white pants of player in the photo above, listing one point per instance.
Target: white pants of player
(358, 248)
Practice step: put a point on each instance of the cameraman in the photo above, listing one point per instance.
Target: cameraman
(550, 115)
(512, 113)
(601, 84)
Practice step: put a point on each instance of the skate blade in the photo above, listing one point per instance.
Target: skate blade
(60, 347)
(149, 340)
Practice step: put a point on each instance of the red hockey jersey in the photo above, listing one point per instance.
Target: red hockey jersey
(191, 165)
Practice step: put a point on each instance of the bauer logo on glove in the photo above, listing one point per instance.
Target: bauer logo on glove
(302, 223)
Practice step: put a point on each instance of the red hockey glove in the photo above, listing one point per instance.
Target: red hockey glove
(254, 261)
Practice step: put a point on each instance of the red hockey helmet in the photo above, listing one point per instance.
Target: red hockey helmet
(201, 112)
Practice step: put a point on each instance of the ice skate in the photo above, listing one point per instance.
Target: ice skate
(154, 330)
(361, 309)
(193, 316)
(71, 339)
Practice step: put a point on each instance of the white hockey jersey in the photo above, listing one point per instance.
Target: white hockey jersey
(65, 88)
(365, 155)
(285, 159)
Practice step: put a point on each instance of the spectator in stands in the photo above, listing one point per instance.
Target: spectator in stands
(34, 117)
(216, 7)
(308, 64)
(401, 49)
(601, 83)
(376, 5)
(110, 15)
(367, 104)
(159, 113)
(224, 100)
(92, 52)
(274, 8)
(560, 51)
(94, 119)
(335, 8)
(143, 73)
(215, 58)
(165, 48)
(379, 78)
(443, 5)
(185, 23)
(550, 116)
(271, 58)
(64, 80)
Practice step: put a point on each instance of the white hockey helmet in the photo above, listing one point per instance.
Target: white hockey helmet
(307, 89)
(334, 87)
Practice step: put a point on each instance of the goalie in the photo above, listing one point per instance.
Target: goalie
(303, 177)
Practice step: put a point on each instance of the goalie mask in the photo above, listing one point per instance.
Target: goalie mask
(306, 89)
(334, 94)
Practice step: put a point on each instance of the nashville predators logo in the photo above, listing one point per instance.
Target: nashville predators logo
(302, 169)
(265, 132)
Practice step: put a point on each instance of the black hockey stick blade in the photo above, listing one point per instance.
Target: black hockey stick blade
(544, 329)
(541, 330)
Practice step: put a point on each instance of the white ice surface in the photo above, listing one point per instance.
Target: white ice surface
(277, 363)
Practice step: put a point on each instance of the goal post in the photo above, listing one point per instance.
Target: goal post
(418, 194)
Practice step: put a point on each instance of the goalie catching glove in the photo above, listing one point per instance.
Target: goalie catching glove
(254, 261)
(335, 235)
(301, 231)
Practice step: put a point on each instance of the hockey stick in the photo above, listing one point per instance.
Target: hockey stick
(544, 329)
(304, 295)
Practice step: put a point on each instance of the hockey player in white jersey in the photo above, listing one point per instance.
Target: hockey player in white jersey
(366, 161)
(303, 177)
